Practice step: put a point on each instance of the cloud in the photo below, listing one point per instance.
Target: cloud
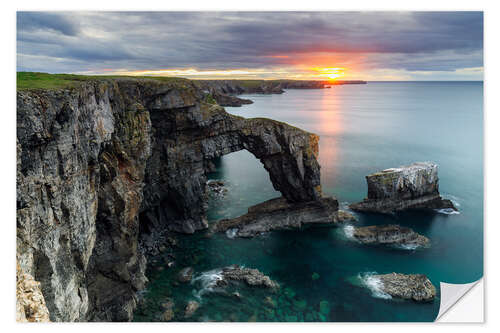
(412, 41)
(34, 21)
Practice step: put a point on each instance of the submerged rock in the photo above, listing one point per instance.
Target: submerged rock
(278, 214)
(389, 234)
(270, 301)
(252, 277)
(168, 305)
(407, 187)
(168, 315)
(407, 286)
(324, 308)
(185, 274)
(191, 308)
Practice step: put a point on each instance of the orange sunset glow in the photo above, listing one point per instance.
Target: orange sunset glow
(330, 73)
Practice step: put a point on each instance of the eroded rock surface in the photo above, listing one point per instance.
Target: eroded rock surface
(252, 277)
(278, 214)
(407, 187)
(389, 234)
(408, 286)
(30, 303)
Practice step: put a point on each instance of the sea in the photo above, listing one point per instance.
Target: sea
(324, 274)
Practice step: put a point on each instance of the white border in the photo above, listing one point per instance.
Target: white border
(492, 109)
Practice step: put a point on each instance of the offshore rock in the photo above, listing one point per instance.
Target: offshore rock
(109, 163)
(389, 234)
(407, 286)
(407, 187)
(252, 277)
(278, 214)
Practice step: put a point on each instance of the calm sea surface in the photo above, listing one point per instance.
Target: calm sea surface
(324, 274)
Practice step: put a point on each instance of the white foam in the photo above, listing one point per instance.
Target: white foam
(447, 211)
(349, 231)
(374, 284)
(208, 282)
(455, 200)
(231, 233)
(409, 247)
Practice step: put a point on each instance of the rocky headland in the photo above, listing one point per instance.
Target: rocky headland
(415, 287)
(407, 187)
(389, 234)
(225, 91)
(107, 167)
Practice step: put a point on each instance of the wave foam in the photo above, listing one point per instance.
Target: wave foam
(207, 281)
(231, 233)
(409, 247)
(374, 284)
(455, 200)
(447, 211)
(349, 231)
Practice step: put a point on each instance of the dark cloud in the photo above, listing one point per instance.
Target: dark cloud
(33, 21)
(80, 41)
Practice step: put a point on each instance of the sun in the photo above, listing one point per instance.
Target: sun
(332, 73)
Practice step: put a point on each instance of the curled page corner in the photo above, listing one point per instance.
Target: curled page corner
(451, 295)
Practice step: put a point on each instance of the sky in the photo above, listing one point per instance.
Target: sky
(255, 45)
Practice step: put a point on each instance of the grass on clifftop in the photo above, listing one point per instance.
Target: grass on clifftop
(34, 80)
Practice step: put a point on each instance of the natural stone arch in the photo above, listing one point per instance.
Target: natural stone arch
(186, 136)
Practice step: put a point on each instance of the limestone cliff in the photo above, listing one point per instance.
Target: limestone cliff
(105, 162)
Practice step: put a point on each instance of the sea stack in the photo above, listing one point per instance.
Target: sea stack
(407, 187)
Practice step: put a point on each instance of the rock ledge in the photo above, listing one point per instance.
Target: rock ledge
(408, 286)
(278, 214)
(389, 234)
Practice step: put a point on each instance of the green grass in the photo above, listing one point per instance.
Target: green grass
(45, 81)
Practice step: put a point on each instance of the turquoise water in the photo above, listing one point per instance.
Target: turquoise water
(362, 128)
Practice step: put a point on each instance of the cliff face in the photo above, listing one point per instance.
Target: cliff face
(102, 164)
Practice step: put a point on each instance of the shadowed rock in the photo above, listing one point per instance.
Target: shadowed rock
(389, 234)
(408, 286)
(407, 187)
(278, 214)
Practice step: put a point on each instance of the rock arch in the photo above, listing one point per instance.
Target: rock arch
(186, 137)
